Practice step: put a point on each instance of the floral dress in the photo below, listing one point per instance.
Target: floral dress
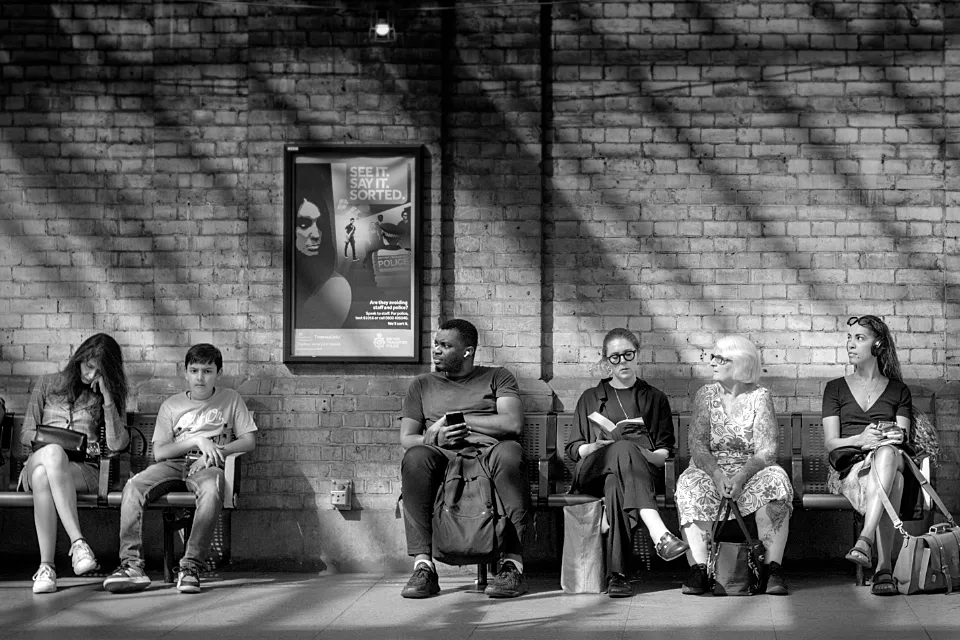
(732, 441)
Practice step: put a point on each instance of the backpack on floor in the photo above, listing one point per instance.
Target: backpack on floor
(468, 518)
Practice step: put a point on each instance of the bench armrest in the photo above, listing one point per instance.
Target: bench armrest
(546, 484)
(796, 459)
(231, 480)
(669, 481)
(103, 485)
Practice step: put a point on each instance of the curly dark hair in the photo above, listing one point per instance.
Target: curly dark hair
(105, 351)
(883, 348)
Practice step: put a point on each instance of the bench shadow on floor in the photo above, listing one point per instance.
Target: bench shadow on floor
(277, 606)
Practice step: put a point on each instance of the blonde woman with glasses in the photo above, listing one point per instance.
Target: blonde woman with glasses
(733, 454)
(620, 442)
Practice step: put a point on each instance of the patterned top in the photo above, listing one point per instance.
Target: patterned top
(750, 431)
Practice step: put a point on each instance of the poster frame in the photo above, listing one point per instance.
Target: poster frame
(347, 153)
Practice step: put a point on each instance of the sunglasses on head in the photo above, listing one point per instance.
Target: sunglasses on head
(863, 321)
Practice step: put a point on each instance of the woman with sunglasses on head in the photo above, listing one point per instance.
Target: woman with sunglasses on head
(90, 393)
(733, 440)
(869, 410)
(624, 466)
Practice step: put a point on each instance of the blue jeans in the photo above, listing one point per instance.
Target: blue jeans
(157, 480)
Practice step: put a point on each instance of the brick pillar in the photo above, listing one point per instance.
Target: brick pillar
(491, 232)
(948, 407)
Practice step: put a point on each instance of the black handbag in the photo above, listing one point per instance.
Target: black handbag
(843, 458)
(74, 443)
(734, 568)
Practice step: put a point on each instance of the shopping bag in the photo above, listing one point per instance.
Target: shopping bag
(583, 569)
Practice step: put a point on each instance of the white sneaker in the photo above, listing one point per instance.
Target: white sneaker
(45, 580)
(82, 557)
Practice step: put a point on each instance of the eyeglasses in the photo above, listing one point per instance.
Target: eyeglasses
(720, 359)
(627, 356)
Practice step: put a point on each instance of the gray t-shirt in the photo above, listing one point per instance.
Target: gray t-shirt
(431, 395)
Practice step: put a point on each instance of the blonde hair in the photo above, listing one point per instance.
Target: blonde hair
(745, 356)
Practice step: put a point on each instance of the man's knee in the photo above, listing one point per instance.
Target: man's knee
(506, 454)
(417, 458)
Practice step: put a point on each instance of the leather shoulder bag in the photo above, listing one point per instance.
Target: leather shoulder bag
(930, 562)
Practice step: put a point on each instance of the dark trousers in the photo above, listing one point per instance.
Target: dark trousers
(626, 481)
(422, 472)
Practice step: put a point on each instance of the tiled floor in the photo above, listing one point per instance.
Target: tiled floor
(282, 606)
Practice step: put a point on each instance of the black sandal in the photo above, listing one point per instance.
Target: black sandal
(883, 584)
(858, 556)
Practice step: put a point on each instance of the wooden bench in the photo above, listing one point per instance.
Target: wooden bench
(177, 507)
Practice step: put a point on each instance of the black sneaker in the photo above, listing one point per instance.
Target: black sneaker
(423, 583)
(618, 586)
(695, 583)
(776, 584)
(509, 583)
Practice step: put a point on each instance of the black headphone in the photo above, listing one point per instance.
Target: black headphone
(877, 347)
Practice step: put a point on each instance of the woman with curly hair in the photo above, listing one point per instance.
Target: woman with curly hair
(867, 414)
(89, 395)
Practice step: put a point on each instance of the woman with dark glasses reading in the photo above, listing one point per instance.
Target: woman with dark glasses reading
(734, 438)
(865, 417)
(622, 438)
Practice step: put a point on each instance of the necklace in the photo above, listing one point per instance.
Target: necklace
(863, 385)
(617, 393)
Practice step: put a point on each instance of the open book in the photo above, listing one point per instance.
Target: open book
(632, 429)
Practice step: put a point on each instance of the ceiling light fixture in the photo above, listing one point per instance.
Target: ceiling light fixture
(381, 29)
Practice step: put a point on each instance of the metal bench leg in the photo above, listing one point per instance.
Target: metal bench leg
(857, 526)
(481, 582)
(171, 524)
(169, 520)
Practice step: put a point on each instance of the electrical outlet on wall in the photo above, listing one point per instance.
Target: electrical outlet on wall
(341, 493)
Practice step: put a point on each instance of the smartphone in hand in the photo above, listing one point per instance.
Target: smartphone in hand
(454, 418)
(892, 433)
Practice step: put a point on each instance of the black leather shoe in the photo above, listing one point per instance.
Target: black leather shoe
(422, 584)
(671, 547)
(695, 583)
(776, 585)
(618, 586)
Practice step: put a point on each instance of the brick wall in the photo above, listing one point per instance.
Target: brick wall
(686, 169)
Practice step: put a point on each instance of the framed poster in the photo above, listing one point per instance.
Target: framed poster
(351, 278)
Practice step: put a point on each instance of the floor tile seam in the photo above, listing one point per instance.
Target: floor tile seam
(373, 584)
(917, 617)
(61, 608)
(215, 603)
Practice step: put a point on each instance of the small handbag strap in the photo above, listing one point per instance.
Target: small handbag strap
(731, 505)
(924, 484)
